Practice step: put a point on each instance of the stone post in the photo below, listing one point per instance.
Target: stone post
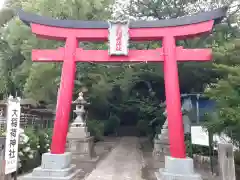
(80, 143)
(226, 162)
(2, 164)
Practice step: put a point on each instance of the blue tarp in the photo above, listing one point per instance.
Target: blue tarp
(205, 106)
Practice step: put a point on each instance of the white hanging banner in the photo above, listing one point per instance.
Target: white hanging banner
(12, 135)
(118, 38)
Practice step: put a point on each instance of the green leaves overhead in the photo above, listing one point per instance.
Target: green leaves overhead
(18, 39)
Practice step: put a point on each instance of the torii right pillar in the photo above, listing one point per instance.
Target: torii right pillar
(177, 166)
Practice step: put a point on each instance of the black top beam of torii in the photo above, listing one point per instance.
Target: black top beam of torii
(217, 15)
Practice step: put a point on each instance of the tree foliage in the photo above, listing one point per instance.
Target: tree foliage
(6, 14)
(226, 91)
(18, 39)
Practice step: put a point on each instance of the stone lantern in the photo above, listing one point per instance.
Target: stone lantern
(80, 143)
(161, 142)
(80, 120)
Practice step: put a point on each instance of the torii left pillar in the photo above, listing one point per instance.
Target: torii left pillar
(57, 164)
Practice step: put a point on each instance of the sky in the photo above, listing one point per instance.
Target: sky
(1, 3)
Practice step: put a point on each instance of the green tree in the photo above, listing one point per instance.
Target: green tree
(18, 39)
(226, 92)
(197, 74)
(6, 14)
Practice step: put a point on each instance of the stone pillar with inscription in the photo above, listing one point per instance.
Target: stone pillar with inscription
(2, 161)
(226, 162)
(80, 143)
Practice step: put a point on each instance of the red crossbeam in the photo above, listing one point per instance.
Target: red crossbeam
(134, 55)
(48, 55)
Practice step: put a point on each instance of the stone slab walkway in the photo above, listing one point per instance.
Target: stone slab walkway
(124, 162)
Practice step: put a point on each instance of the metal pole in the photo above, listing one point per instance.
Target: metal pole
(210, 151)
(191, 145)
(197, 108)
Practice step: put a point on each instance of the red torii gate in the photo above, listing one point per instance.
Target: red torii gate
(168, 31)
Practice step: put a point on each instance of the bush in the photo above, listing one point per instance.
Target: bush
(158, 129)
(96, 129)
(26, 152)
(111, 125)
(196, 149)
(44, 141)
(143, 128)
(33, 143)
(237, 157)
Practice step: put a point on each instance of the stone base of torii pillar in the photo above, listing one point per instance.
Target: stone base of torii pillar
(178, 169)
(175, 168)
(54, 167)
